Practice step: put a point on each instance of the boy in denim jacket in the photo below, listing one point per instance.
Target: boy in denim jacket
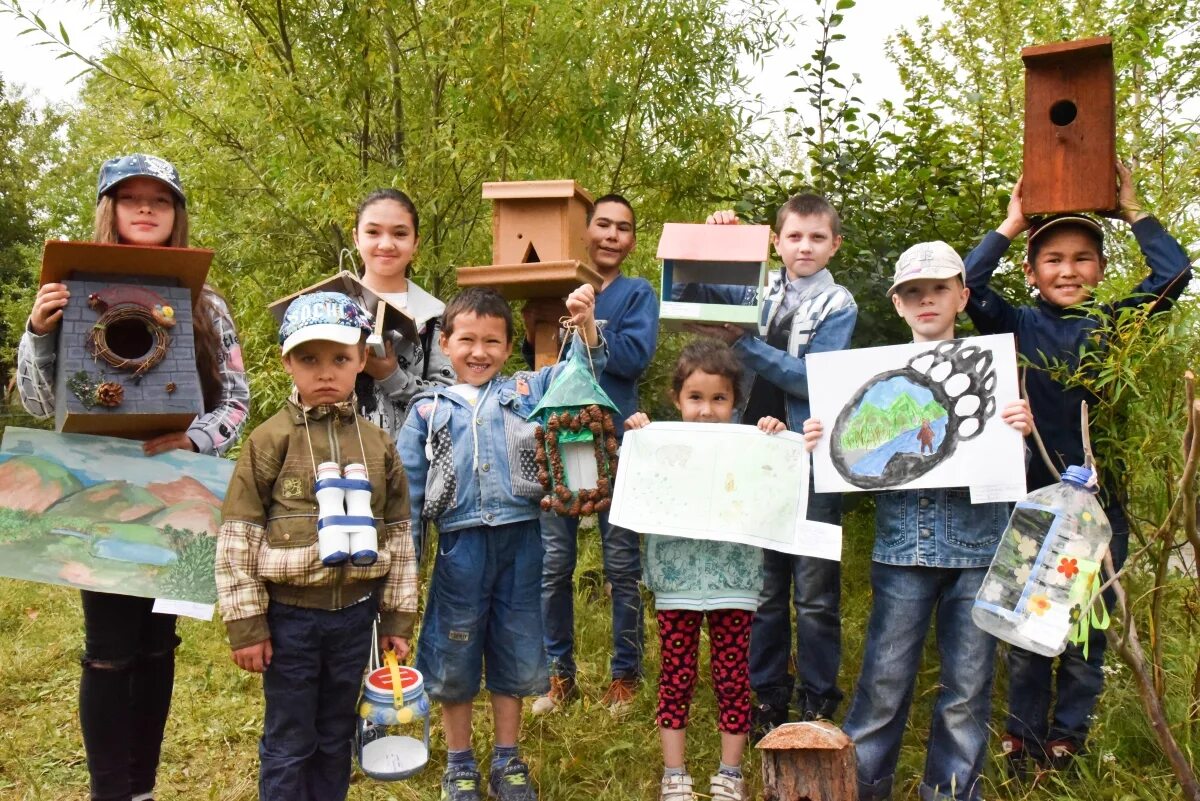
(804, 312)
(469, 454)
(932, 551)
(1064, 262)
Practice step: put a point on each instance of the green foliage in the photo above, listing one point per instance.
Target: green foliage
(191, 574)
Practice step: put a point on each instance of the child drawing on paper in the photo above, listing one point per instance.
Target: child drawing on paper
(692, 579)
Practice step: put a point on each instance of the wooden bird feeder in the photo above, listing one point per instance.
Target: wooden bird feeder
(809, 761)
(387, 316)
(576, 452)
(711, 254)
(1070, 127)
(126, 356)
(539, 252)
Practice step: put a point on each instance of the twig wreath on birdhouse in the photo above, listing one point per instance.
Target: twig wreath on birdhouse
(576, 442)
(122, 305)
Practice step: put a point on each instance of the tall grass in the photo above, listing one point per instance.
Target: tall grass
(583, 754)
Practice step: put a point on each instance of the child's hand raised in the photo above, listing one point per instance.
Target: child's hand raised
(1015, 221)
(581, 305)
(254, 658)
(771, 425)
(813, 431)
(1018, 415)
(637, 420)
(48, 308)
(722, 217)
(1131, 209)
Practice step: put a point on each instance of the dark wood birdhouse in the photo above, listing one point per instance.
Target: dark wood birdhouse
(126, 356)
(539, 252)
(809, 761)
(1070, 127)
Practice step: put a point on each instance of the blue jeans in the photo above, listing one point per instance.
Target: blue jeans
(905, 600)
(1077, 687)
(483, 609)
(622, 570)
(311, 690)
(817, 587)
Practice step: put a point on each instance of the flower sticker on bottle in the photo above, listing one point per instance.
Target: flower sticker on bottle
(1068, 566)
(1026, 546)
(1039, 604)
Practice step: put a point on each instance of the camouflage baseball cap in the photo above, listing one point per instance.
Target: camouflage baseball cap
(326, 316)
(116, 170)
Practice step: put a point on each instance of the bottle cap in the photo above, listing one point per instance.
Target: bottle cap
(1084, 477)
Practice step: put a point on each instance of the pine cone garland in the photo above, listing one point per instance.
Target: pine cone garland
(587, 508)
(602, 506)
(546, 503)
(110, 394)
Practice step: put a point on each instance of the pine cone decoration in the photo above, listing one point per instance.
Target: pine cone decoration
(597, 429)
(588, 508)
(552, 422)
(110, 394)
(584, 417)
(602, 506)
(563, 493)
(610, 446)
(546, 503)
(608, 423)
(539, 434)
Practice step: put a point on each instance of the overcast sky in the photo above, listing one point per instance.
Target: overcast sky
(867, 27)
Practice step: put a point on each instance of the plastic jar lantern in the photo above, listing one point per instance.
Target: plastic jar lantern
(1042, 582)
(383, 755)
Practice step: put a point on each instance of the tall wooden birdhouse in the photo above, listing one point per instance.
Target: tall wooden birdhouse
(733, 255)
(126, 356)
(539, 252)
(808, 761)
(1070, 127)
(576, 452)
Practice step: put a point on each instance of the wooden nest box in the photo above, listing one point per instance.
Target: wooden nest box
(712, 254)
(1070, 127)
(809, 761)
(126, 355)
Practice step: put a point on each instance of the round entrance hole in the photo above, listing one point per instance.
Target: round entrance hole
(1063, 113)
(129, 339)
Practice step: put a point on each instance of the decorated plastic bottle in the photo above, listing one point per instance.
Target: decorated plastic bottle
(1047, 567)
(361, 525)
(333, 538)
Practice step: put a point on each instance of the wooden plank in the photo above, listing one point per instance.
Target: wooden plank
(1101, 44)
(548, 279)
(527, 190)
(118, 423)
(394, 319)
(187, 266)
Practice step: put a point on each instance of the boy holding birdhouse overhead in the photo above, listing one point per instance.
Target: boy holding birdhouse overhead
(1064, 262)
(472, 460)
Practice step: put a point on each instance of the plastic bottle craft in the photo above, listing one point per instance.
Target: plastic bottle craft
(1044, 579)
(576, 454)
(345, 524)
(382, 755)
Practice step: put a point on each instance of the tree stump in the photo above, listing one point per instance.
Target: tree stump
(809, 761)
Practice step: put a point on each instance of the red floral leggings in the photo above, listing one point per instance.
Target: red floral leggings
(679, 637)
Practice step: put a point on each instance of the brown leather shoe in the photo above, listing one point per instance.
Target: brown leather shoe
(620, 694)
(562, 691)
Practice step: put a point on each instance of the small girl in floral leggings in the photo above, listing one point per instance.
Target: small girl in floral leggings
(692, 579)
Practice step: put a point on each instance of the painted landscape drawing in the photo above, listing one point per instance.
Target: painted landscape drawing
(94, 513)
(895, 417)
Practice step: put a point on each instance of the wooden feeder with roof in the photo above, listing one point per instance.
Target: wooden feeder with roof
(125, 363)
(1070, 127)
(808, 761)
(388, 317)
(539, 252)
(576, 452)
(711, 254)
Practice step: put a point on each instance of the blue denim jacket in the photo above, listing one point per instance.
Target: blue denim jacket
(824, 321)
(937, 528)
(473, 465)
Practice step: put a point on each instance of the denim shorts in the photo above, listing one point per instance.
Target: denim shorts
(484, 608)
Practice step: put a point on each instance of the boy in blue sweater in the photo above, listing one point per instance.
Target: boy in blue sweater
(627, 313)
(468, 451)
(932, 551)
(804, 312)
(1064, 262)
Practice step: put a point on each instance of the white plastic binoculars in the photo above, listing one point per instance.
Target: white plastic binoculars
(345, 525)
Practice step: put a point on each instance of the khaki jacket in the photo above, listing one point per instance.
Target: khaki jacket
(267, 547)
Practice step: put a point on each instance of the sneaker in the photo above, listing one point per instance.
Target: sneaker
(512, 783)
(1016, 757)
(728, 788)
(1061, 753)
(620, 695)
(461, 785)
(562, 691)
(676, 788)
(765, 717)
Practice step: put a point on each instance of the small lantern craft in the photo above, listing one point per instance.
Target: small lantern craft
(728, 255)
(126, 355)
(576, 444)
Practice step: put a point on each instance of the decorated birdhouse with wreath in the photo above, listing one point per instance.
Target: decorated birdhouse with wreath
(126, 355)
(576, 443)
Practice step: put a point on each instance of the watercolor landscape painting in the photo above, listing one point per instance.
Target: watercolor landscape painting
(94, 513)
(895, 417)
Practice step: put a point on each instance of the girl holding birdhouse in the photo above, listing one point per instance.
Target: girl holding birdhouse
(697, 579)
(129, 652)
(386, 234)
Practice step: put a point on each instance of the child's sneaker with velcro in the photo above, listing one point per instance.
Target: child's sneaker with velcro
(461, 785)
(676, 787)
(724, 787)
(512, 782)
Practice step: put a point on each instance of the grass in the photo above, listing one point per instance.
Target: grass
(585, 753)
